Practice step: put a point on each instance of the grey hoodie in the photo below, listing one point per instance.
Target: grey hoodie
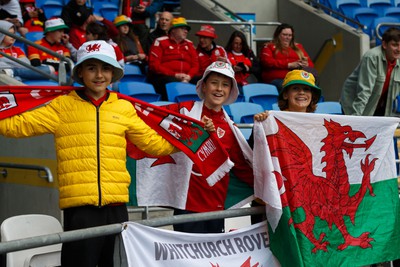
(6, 63)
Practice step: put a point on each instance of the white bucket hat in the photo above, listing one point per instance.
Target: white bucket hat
(225, 69)
(102, 51)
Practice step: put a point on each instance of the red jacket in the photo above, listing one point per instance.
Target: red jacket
(206, 58)
(167, 57)
(275, 63)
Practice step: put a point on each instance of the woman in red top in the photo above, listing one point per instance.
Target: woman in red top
(282, 55)
(244, 61)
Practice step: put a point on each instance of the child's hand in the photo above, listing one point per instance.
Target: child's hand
(208, 124)
(262, 116)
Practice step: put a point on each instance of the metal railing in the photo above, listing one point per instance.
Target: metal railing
(45, 240)
(47, 172)
(62, 77)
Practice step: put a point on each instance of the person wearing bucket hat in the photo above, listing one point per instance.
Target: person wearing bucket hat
(129, 43)
(53, 40)
(207, 50)
(91, 126)
(216, 88)
(173, 58)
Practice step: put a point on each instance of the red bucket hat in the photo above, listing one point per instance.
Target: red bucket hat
(207, 31)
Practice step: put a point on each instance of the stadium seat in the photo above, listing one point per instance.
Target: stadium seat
(347, 6)
(41, 82)
(133, 73)
(396, 3)
(365, 16)
(109, 11)
(243, 112)
(162, 103)
(379, 5)
(329, 107)
(140, 90)
(275, 106)
(180, 91)
(246, 132)
(34, 36)
(52, 9)
(261, 93)
(393, 11)
(30, 225)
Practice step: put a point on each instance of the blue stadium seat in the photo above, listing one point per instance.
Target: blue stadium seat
(347, 6)
(34, 36)
(275, 106)
(365, 15)
(133, 73)
(393, 11)
(379, 5)
(396, 3)
(162, 103)
(261, 93)
(52, 9)
(180, 91)
(109, 10)
(329, 107)
(140, 90)
(243, 112)
(41, 82)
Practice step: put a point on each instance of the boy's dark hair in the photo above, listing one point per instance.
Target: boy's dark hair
(391, 34)
(98, 28)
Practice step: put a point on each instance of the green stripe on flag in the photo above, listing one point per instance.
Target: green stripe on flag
(379, 215)
(131, 166)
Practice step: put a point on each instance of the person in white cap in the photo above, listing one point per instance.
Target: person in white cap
(90, 126)
(216, 88)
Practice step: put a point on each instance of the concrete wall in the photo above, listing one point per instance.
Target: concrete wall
(23, 191)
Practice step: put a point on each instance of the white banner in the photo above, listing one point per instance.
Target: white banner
(245, 247)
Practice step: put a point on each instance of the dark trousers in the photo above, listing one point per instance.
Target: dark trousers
(98, 251)
(212, 226)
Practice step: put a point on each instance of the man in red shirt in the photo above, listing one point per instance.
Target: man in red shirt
(53, 37)
(173, 58)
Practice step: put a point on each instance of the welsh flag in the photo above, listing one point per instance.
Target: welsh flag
(331, 188)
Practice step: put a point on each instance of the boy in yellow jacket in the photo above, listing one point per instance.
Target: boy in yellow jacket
(90, 127)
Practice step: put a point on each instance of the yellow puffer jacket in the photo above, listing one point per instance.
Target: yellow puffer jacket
(90, 144)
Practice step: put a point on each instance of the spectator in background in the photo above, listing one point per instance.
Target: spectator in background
(141, 11)
(282, 55)
(33, 16)
(10, 10)
(96, 30)
(242, 58)
(76, 13)
(129, 43)
(374, 84)
(53, 37)
(12, 68)
(173, 58)
(164, 22)
(207, 50)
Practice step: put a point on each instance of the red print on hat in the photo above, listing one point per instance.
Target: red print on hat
(93, 48)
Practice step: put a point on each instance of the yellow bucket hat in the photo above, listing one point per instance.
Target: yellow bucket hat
(300, 77)
(179, 22)
(121, 20)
